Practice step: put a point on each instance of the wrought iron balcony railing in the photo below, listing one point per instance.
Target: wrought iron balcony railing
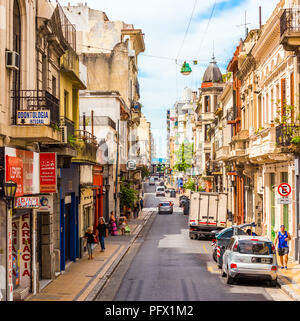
(69, 124)
(35, 100)
(285, 134)
(290, 21)
(83, 135)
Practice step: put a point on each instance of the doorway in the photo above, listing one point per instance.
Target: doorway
(67, 231)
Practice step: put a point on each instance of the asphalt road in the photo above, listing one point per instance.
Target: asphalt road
(166, 265)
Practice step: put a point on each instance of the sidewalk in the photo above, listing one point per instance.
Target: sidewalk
(289, 280)
(83, 276)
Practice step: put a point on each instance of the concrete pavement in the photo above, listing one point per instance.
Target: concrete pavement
(82, 279)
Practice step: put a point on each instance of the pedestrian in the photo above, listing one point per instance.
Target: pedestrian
(250, 233)
(136, 210)
(90, 237)
(141, 204)
(282, 238)
(123, 224)
(102, 232)
(113, 224)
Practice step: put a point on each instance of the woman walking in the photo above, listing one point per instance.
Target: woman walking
(102, 233)
(90, 237)
(113, 225)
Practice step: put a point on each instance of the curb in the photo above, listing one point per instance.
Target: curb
(97, 289)
(287, 290)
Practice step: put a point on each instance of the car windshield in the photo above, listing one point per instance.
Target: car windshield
(160, 189)
(255, 247)
(164, 204)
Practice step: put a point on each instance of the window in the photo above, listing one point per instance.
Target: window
(272, 106)
(66, 103)
(292, 93)
(229, 246)
(16, 47)
(283, 96)
(255, 247)
(259, 112)
(207, 104)
(53, 86)
(206, 134)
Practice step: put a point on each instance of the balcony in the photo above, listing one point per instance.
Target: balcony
(35, 116)
(86, 146)
(262, 145)
(285, 134)
(222, 153)
(239, 144)
(290, 29)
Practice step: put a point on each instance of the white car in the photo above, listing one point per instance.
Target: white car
(250, 257)
(151, 181)
(160, 191)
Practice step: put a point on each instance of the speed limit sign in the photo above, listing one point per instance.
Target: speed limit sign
(284, 189)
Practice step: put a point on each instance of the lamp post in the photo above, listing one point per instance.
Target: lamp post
(10, 189)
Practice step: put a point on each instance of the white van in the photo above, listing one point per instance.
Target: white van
(160, 191)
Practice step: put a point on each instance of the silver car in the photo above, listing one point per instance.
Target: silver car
(250, 257)
(165, 207)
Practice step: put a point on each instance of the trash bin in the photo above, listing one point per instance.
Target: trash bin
(186, 208)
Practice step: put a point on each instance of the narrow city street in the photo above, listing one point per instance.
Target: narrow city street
(166, 265)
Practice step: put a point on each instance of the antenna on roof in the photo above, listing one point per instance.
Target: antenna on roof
(245, 25)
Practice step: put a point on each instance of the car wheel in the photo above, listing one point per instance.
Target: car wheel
(215, 258)
(229, 279)
(193, 236)
(223, 273)
(273, 283)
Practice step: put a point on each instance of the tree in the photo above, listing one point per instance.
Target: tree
(145, 171)
(185, 155)
(127, 196)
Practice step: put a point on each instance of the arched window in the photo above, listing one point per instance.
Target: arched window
(17, 48)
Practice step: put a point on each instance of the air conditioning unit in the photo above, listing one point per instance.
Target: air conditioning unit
(12, 60)
(64, 134)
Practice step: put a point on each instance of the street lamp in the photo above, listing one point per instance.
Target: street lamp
(10, 189)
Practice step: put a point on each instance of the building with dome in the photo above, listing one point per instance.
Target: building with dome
(211, 88)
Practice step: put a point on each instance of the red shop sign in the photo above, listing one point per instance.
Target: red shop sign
(48, 177)
(14, 172)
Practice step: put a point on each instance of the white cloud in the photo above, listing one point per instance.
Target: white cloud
(164, 23)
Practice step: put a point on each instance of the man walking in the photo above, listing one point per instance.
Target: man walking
(283, 249)
(141, 204)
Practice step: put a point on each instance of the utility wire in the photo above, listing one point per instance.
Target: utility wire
(208, 23)
(187, 30)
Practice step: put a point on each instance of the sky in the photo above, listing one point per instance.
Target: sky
(165, 23)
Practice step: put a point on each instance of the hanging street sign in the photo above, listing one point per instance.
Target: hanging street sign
(284, 189)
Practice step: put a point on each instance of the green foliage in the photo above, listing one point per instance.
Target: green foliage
(55, 127)
(184, 155)
(71, 140)
(145, 171)
(127, 196)
(190, 184)
(296, 140)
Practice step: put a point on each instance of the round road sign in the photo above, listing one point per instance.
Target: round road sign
(284, 189)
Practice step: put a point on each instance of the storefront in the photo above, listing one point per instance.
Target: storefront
(3, 254)
(69, 218)
(98, 193)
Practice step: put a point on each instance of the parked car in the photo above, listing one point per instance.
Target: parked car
(165, 207)
(250, 257)
(223, 237)
(152, 181)
(160, 191)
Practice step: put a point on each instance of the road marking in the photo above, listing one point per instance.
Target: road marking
(213, 270)
(204, 248)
